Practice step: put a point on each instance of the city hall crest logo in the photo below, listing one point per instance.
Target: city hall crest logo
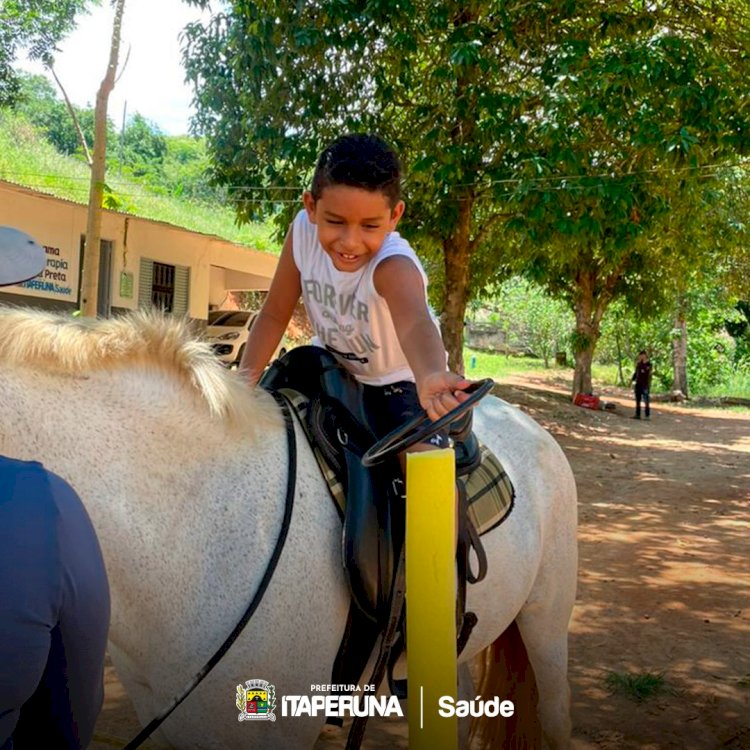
(256, 700)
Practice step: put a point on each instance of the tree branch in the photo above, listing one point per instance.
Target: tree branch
(484, 230)
(69, 105)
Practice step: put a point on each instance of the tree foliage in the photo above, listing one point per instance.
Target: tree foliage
(142, 146)
(551, 136)
(186, 170)
(443, 81)
(36, 26)
(528, 316)
(39, 102)
(176, 165)
(738, 327)
(714, 339)
(640, 108)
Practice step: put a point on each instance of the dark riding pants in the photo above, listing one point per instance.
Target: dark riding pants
(642, 393)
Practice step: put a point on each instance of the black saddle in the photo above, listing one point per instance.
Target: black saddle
(338, 424)
(374, 518)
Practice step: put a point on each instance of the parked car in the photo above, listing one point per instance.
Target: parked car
(227, 332)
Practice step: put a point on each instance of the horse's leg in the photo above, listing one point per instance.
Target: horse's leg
(544, 619)
(545, 634)
(505, 672)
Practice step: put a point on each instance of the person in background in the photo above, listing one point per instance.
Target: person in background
(54, 594)
(642, 379)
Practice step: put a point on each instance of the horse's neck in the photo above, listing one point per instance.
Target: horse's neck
(187, 514)
(158, 476)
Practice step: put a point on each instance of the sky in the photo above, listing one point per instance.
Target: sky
(153, 81)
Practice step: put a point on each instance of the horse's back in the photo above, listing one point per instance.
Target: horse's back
(188, 512)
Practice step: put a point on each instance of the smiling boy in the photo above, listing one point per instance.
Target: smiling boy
(363, 286)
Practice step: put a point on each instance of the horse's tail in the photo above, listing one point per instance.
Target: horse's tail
(505, 672)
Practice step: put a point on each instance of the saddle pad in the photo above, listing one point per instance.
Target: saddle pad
(489, 491)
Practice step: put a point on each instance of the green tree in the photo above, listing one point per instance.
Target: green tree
(38, 100)
(143, 146)
(443, 81)
(738, 327)
(36, 26)
(550, 133)
(710, 316)
(712, 235)
(177, 165)
(529, 317)
(626, 331)
(640, 108)
(186, 169)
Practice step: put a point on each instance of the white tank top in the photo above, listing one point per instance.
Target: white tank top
(348, 316)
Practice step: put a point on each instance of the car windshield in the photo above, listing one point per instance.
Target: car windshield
(235, 319)
(214, 315)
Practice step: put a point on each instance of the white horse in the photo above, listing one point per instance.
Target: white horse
(183, 470)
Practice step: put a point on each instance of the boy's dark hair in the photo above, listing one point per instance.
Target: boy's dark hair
(360, 161)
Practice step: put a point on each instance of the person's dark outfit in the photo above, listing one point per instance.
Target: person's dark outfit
(392, 406)
(642, 378)
(54, 613)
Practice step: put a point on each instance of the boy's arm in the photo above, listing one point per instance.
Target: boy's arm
(274, 316)
(398, 280)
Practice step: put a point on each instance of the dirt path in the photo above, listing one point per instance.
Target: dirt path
(664, 582)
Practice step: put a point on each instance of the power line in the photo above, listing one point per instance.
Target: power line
(538, 184)
(718, 166)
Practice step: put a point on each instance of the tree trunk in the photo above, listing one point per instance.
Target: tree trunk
(457, 247)
(620, 374)
(456, 252)
(90, 291)
(582, 373)
(589, 309)
(679, 352)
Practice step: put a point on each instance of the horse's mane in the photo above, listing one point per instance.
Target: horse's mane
(78, 345)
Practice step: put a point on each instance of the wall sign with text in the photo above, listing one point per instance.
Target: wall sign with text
(59, 280)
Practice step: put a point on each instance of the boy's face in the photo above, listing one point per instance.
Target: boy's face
(352, 223)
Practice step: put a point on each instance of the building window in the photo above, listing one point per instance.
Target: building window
(162, 287)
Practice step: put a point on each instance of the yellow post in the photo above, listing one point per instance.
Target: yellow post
(431, 597)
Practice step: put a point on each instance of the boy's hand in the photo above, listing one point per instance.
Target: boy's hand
(441, 392)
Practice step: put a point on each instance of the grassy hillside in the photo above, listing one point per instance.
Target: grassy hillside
(27, 159)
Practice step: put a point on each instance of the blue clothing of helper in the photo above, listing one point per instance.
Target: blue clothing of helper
(54, 612)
